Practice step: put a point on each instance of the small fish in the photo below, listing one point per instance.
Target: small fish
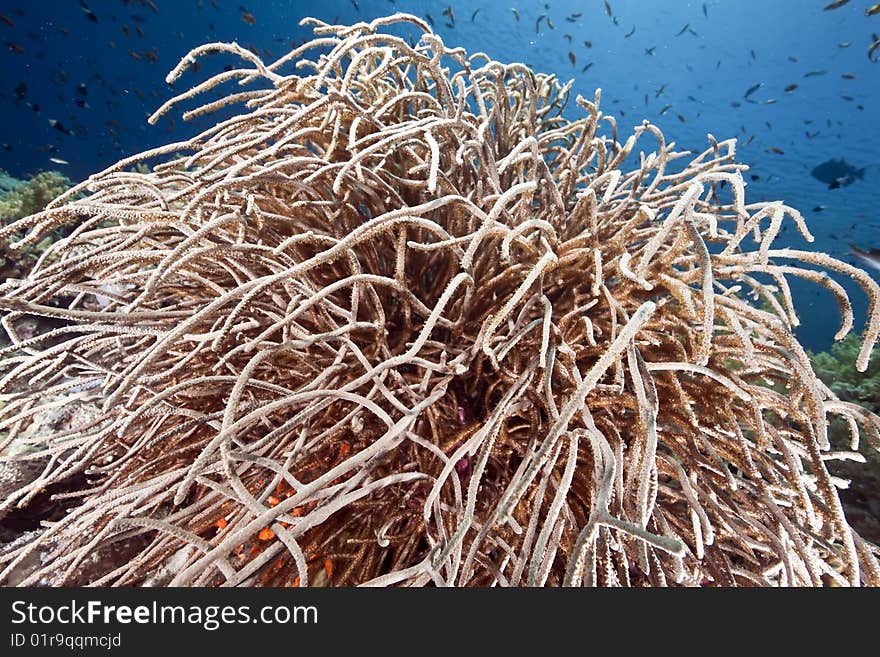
(844, 44)
(683, 30)
(587, 67)
(660, 91)
(550, 24)
(18, 48)
(873, 10)
(58, 126)
(848, 76)
(705, 11)
(248, 18)
(474, 15)
(778, 151)
(608, 9)
(810, 74)
(752, 90)
(515, 13)
(735, 103)
(574, 16)
(7, 20)
(665, 109)
(790, 88)
(588, 44)
(650, 51)
(430, 19)
(769, 101)
(450, 14)
(753, 55)
(630, 33)
(819, 208)
(88, 12)
(793, 60)
(567, 37)
(58, 160)
(572, 58)
(355, 4)
(848, 98)
(874, 48)
(871, 257)
(681, 118)
(139, 31)
(538, 22)
(835, 5)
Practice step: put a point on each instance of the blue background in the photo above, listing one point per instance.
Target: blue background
(53, 47)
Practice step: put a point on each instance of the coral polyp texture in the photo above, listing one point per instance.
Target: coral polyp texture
(399, 321)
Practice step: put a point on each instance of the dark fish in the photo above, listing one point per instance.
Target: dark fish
(572, 58)
(834, 5)
(683, 30)
(665, 109)
(790, 88)
(538, 22)
(735, 103)
(705, 10)
(608, 9)
(792, 59)
(474, 15)
(847, 97)
(873, 10)
(681, 118)
(550, 24)
(588, 44)
(848, 76)
(837, 173)
(89, 13)
(753, 55)
(630, 33)
(248, 18)
(755, 177)
(587, 67)
(819, 208)
(752, 90)
(515, 14)
(660, 91)
(430, 19)
(650, 51)
(811, 74)
(7, 20)
(870, 257)
(58, 126)
(567, 37)
(355, 4)
(778, 151)
(15, 47)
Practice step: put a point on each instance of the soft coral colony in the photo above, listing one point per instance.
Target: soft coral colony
(400, 322)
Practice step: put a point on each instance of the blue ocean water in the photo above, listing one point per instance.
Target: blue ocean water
(81, 76)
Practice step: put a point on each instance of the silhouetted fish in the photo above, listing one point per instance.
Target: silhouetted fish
(871, 257)
(837, 173)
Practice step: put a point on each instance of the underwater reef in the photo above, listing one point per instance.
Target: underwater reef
(399, 321)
